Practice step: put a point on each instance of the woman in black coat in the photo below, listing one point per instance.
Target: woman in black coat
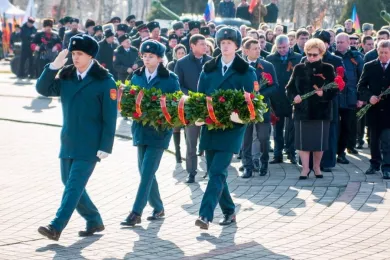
(312, 116)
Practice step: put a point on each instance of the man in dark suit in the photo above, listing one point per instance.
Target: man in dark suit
(106, 52)
(373, 54)
(375, 80)
(302, 37)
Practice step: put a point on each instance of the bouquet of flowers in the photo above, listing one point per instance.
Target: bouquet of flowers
(364, 110)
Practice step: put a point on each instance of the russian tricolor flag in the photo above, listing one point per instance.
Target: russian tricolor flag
(209, 13)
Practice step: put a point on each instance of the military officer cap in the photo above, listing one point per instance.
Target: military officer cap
(89, 23)
(108, 33)
(74, 20)
(177, 26)
(130, 17)
(138, 23)
(367, 27)
(122, 27)
(123, 38)
(193, 25)
(323, 36)
(115, 19)
(153, 25)
(173, 36)
(142, 27)
(48, 22)
(84, 43)
(154, 47)
(31, 20)
(97, 28)
(185, 20)
(205, 30)
(228, 33)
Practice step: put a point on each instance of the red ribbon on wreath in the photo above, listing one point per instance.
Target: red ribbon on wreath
(120, 93)
(163, 105)
(180, 110)
(251, 107)
(138, 101)
(210, 109)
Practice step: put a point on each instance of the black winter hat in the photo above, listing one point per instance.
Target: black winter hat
(205, 30)
(84, 43)
(193, 25)
(138, 23)
(130, 17)
(67, 19)
(173, 36)
(153, 25)
(115, 19)
(152, 46)
(123, 37)
(108, 33)
(228, 33)
(74, 20)
(61, 21)
(97, 28)
(48, 22)
(142, 27)
(89, 23)
(122, 27)
(177, 26)
(323, 36)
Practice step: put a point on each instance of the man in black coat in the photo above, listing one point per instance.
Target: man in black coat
(243, 11)
(178, 29)
(302, 37)
(194, 28)
(105, 55)
(28, 32)
(130, 20)
(226, 9)
(74, 30)
(98, 35)
(66, 26)
(272, 12)
(155, 29)
(143, 32)
(188, 70)
(125, 58)
(375, 80)
(373, 54)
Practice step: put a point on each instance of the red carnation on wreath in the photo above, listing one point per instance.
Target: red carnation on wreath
(208, 121)
(221, 99)
(133, 92)
(136, 115)
(340, 82)
(340, 71)
(252, 96)
(154, 98)
(268, 78)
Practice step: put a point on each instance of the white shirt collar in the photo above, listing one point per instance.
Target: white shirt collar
(85, 72)
(227, 65)
(250, 61)
(152, 76)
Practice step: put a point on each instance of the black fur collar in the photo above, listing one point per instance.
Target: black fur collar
(239, 65)
(161, 71)
(97, 71)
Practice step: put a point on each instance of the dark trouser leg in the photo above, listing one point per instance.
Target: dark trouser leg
(263, 135)
(361, 125)
(217, 190)
(192, 135)
(25, 56)
(247, 148)
(176, 141)
(376, 157)
(385, 147)
(290, 133)
(352, 119)
(279, 138)
(148, 162)
(75, 175)
(344, 131)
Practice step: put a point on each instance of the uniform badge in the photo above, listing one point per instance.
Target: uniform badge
(147, 47)
(74, 42)
(113, 94)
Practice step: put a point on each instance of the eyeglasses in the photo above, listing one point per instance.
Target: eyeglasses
(312, 55)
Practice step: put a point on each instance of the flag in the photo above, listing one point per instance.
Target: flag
(209, 13)
(6, 35)
(252, 5)
(355, 19)
(30, 11)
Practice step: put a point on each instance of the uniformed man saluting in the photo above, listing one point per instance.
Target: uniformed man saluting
(89, 104)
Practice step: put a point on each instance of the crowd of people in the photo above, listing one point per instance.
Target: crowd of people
(202, 57)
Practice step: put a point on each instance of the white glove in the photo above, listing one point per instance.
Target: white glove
(60, 61)
(199, 122)
(102, 155)
(234, 118)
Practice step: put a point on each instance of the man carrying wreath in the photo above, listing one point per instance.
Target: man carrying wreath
(227, 71)
(375, 80)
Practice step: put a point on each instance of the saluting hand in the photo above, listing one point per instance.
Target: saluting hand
(61, 59)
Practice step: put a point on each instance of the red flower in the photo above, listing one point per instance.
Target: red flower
(221, 99)
(340, 71)
(235, 111)
(274, 119)
(136, 115)
(268, 78)
(209, 121)
(154, 98)
(187, 122)
(340, 82)
(133, 92)
(43, 40)
(252, 96)
(159, 122)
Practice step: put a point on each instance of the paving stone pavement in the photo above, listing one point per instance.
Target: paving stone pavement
(346, 215)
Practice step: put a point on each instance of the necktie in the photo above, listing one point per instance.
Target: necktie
(253, 64)
(384, 66)
(80, 78)
(224, 69)
(149, 79)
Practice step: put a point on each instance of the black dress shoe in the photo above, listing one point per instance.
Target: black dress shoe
(241, 169)
(200, 153)
(276, 161)
(359, 146)
(202, 222)
(326, 169)
(156, 215)
(190, 178)
(256, 165)
(264, 169)
(131, 220)
(90, 231)
(342, 160)
(247, 174)
(372, 170)
(228, 220)
(352, 151)
(386, 175)
(49, 232)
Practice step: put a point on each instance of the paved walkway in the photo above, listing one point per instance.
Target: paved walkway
(346, 215)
